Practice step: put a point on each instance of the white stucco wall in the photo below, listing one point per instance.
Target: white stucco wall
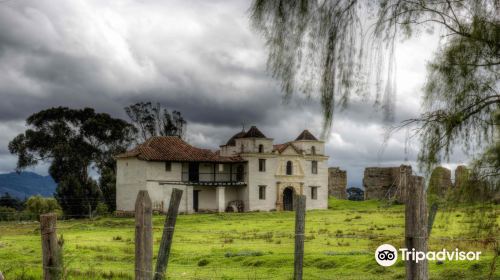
(256, 179)
(134, 175)
(319, 180)
(130, 178)
(306, 145)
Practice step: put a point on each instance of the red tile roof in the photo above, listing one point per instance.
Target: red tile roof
(173, 148)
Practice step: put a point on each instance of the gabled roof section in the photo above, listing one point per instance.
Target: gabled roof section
(280, 148)
(173, 148)
(254, 132)
(232, 141)
(306, 135)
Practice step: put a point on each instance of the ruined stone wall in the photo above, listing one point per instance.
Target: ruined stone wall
(439, 182)
(461, 176)
(385, 182)
(337, 182)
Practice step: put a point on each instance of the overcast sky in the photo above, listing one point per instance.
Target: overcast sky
(198, 57)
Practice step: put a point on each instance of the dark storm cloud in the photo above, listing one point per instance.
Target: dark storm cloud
(42, 75)
(197, 57)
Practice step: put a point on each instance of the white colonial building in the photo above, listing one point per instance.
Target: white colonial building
(248, 173)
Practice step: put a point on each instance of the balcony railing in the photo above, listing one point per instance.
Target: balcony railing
(210, 178)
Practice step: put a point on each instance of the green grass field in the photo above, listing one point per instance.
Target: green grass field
(340, 244)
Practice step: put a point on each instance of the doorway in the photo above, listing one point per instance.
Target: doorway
(240, 171)
(288, 199)
(194, 172)
(196, 195)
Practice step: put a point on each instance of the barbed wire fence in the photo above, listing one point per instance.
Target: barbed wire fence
(416, 236)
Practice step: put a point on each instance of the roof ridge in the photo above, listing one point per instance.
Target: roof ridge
(172, 148)
(306, 135)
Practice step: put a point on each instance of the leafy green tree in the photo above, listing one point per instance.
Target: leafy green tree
(154, 120)
(107, 183)
(73, 141)
(322, 47)
(78, 197)
(37, 205)
(6, 200)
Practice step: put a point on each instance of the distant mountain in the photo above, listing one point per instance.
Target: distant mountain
(26, 184)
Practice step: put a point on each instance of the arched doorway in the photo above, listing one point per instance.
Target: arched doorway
(288, 199)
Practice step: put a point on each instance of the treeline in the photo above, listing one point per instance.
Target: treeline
(13, 208)
(79, 142)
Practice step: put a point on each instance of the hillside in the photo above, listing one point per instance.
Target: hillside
(26, 184)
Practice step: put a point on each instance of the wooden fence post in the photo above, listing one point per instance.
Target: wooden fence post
(416, 227)
(168, 234)
(50, 247)
(143, 237)
(300, 220)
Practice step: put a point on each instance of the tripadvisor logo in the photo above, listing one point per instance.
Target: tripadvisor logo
(387, 255)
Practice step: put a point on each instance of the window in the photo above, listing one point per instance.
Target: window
(262, 165)
(314, 167)
(221, 167)
(240, 170)
(168, 166)
(289, 168)
(313, 150)
(242, 148)
(261, 148)
(314, 193)
(262, 192)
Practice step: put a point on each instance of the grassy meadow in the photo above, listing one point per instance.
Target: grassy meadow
(340, 244)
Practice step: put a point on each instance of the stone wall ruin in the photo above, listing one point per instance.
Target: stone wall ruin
(385, 183)
(337, 182)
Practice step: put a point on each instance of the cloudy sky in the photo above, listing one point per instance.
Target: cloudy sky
(198, 57)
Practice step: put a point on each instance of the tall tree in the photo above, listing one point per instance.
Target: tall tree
(73, 141)
(324, 43)
(154, 120)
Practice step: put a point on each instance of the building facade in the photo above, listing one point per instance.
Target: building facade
(248, 173)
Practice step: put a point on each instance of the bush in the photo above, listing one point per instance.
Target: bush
(203, 262)
(7, 200)
(101, 209)
(7, 213)
(37, 205)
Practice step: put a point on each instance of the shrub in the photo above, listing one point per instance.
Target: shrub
(37, 205)
(7, 213)
(203, 262)
(101, 209)
(7, 200)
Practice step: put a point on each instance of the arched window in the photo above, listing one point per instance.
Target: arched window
(289, 168)
(313, 150)
(261, 148)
